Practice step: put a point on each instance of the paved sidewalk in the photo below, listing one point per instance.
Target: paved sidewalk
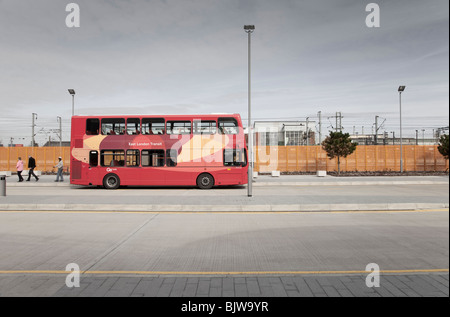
(284, 180)
(286, 193)
(275, 286)
(391, 285)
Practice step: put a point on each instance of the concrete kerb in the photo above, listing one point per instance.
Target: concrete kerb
(260, 184)
(350, 183)
(223, 208)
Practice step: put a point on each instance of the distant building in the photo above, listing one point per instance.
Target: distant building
(14, 145)
(273, 133)
(56, 143)
(385, 139)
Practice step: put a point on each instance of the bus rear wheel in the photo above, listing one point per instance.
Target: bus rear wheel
(205, 181)
(111, 181)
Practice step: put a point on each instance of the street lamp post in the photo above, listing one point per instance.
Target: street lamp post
(400, 90)
(33, 117)
(307, 134)
(60, 132)
(72, 92)
(249, 30)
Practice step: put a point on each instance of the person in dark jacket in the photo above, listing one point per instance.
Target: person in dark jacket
(31, 166)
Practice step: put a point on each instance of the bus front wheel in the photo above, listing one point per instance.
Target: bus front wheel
(205, 181)
(111, 181)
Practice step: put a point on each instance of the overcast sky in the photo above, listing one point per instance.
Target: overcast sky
(190, 57)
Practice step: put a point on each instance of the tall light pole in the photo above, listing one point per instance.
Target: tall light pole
(376, 130)
(249, 30)
(400, 90)
(34, 115)
(320, 127)
(72, 92)
(307, 134)
(60, 133)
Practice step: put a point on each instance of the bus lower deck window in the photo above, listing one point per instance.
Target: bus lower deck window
(112, 158)
(153, 158)
(234, 157)
(172, 157)
(133, 158)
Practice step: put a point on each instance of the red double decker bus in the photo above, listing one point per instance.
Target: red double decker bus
(173, 150)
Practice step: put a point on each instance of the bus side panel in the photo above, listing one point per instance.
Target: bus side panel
(230, 176)
(181, 176)
(222, 176)
(141, 176)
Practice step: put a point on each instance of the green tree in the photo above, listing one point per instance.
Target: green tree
(443, 146)
(338, 145)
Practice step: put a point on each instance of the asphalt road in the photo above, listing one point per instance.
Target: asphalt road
(282, 194)
(190, 242)
(215, 244)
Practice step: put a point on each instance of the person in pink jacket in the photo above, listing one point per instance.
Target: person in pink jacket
(19, 167)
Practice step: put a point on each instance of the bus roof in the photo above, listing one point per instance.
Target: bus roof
(172, 116)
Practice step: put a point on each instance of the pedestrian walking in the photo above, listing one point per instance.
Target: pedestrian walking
(31, 166)
(19, 167)
(59, 173)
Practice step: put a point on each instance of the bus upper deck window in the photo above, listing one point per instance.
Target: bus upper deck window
(113, 126)
(228, 126)
(205, 127)
(153, 126)
(179, 127)
(92, 126)
(133, 126)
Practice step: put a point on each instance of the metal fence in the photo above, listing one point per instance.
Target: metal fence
(275, 158)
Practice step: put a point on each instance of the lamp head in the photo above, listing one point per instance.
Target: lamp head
(249, 28)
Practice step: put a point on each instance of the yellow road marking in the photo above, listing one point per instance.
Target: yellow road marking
(30, 272)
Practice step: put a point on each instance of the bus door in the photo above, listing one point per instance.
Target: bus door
(92, 173)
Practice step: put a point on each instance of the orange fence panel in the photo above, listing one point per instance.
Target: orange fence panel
(46, 157)
(276, 158)
(366, 158)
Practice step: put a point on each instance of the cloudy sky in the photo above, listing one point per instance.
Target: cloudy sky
(190, 57)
